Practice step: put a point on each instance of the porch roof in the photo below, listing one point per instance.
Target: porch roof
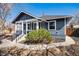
(49, 17)
(22, 14)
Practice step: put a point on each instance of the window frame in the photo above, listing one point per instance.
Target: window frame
(49, 25)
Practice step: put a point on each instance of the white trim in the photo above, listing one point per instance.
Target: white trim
(26, 28)
(37, 25)
(55, 25)
(28, 20)
(22, 28)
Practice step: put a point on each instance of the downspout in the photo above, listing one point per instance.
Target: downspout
(65, 26)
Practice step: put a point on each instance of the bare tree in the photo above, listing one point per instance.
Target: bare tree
(77, 19)
(4, 12)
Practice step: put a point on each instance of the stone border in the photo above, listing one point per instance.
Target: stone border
(69, 41)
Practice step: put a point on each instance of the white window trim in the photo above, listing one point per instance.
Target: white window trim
(49, 26)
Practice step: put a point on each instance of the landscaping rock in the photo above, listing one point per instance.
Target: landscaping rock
(55, 51)
(24, 52)
(59, 51)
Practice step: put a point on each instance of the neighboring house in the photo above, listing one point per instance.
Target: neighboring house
(76, 25)
(76, 29)
(55, 24)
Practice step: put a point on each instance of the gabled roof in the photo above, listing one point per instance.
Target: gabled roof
(20, 14)
(43, 18)
(48, 17)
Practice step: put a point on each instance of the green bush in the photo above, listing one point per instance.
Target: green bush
(39, 36)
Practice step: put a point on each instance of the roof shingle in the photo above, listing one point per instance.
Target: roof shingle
(48, 17)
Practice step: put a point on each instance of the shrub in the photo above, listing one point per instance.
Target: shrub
(39, 36)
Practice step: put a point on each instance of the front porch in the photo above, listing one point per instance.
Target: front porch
(24, 27)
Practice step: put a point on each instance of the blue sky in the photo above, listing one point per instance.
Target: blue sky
(37, 9)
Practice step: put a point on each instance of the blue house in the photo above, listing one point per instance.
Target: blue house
(55, 24)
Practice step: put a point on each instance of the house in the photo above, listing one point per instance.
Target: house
(55, 24)
(76, 25)
(76, 29)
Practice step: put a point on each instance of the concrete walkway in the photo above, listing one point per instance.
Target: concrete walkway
(69, 40)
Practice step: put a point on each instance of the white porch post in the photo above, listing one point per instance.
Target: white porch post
(26, 28)
(15, 31)
(22, 28)
(37, 23)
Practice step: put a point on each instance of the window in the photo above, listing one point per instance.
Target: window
(19, 26)
(51, 25)
(31, 26)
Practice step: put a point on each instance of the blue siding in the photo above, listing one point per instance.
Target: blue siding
(25, 17)
(59, 24)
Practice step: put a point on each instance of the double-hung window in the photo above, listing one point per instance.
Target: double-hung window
(52, 25)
